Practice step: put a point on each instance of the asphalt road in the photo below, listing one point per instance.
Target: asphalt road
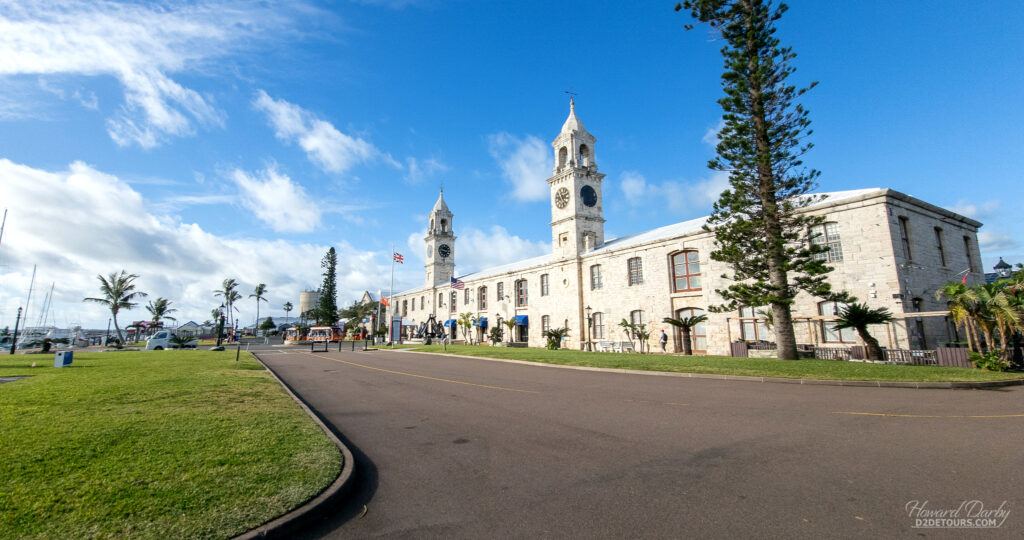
(469, 448)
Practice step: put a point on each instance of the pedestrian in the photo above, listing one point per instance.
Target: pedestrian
(663, 340)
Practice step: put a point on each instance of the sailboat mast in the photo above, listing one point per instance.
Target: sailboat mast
(28, 302)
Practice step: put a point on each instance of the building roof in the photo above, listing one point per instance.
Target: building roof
(572, 123)
(1001, 265)
(440, 204)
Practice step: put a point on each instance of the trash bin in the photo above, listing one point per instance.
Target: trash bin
(62, 358)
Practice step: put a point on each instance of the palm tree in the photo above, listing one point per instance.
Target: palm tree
(288, 308)
(1001, 313)
(859, 317)
(159, 309)
(555, 336)
(466, 320)
(511, 324)
(686, 325)
(118, 293)
(230, 295)
(629, 328)
(261, 289)
(961, 300)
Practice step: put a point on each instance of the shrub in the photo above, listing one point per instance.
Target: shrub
(989, 361)
(495, 334)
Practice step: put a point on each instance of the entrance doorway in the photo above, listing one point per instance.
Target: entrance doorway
(698, 334)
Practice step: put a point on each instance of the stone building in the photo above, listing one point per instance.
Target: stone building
(888, 249)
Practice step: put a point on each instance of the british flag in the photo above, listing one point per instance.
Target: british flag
(458, 284)
(398, 257)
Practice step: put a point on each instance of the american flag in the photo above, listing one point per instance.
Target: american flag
(398, 257)
(458, 284)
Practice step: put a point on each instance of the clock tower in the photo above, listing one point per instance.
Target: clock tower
(577, 222)
(440, 245)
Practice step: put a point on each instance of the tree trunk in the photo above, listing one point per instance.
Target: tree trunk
(687, 348)
(871, 344)
(973, 330)
(120, 336)
(967, 332)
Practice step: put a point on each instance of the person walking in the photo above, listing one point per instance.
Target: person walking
(663, 340)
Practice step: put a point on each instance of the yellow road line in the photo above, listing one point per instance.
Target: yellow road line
(929, 415)
(424, 376)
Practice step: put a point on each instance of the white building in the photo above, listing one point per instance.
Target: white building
(888, 249)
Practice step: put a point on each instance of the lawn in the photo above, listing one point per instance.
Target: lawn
(159, 444)
(722, 365)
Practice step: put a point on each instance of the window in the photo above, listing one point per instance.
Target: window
(636, 271)
(545, 323)
(598, 328)
(595, 277)
(698, 334)
(544, 285)
(521, 296)
(440, 299)
(465, 297)
(423, 305)
(482, 298)
(405, 307)
(970, 255)
(752, 325)
(637, 317)
(939, 246)
(827, 235)
(686, 271)
(455, 301)
(501, 291)
(828, 328)
(905, 237)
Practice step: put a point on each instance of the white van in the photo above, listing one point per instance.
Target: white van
(162, 340)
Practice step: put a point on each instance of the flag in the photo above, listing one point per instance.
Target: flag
(458, 284)
(384, 300)
(398, 257)
(964, 280)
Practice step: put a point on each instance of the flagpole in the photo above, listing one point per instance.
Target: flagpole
(391, 294)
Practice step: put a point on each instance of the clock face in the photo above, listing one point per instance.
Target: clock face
(588, 195)
(562, 198)
(444, 251)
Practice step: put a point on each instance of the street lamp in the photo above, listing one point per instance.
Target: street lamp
(14, 344)
(220, 326)
(590, 330)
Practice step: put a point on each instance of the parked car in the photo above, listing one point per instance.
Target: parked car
(162, 340)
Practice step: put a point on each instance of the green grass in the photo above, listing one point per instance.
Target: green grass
(160, 444)
(721, 365)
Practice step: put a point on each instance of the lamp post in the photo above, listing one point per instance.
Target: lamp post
(220, 326)
(107, 338)
(590, 330)
(14, 344)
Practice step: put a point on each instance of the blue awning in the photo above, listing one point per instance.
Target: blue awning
(482, 321)
(522, 320)
(450, 323)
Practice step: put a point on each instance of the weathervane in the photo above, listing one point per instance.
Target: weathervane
(572, 94)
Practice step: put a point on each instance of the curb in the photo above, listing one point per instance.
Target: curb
(284, 526)
(949, 385)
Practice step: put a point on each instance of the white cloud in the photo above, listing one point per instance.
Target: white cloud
(975, 211)
(995, 241)
(525, 164)
(80, 222)
(328, 148)
(710, 137)
(419, 170)
(680, 197)
(634, 186)
(139, 45)
(277, 201)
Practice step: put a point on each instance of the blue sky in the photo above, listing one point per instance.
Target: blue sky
(192, 141)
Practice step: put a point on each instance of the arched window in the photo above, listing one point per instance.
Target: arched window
(686, 271)
(444, 225)
(423, 305)
(544, 285)
(595, 277)
(465, 297)
(828, 328)
(636, 271)
(752, 324)
(431, 224)
(501, 291)
(545, 323)
(481, 301)
(455, 300)
(563, 156)
(638, 317)
(584, 155)
(827, 235)
(522, 299)
(698, 334)
(440, 299)
(405, 307)
(598, 329)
